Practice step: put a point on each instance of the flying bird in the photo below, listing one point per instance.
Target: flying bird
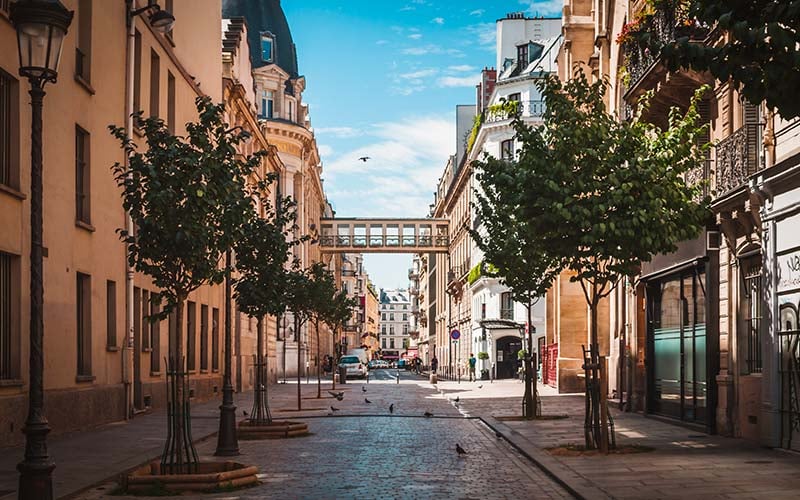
(391, 408)
(460, 450)
(367, 401)
(364, 159)
(333, 408)
(428, 414)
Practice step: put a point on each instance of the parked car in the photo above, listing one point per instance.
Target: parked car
(354, 366)
(374, 364)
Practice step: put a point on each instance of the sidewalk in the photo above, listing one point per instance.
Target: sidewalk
(684, 464)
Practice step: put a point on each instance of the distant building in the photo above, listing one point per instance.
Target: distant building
(395, 323)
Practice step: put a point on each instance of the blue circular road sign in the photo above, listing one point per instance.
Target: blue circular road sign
(455, 335)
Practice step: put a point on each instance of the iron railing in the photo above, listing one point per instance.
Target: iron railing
(379, 241)
(527, 109)
(737, 158)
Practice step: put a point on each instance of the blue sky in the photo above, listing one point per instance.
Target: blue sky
(383, 78)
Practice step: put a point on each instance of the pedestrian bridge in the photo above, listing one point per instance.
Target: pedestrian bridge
(384, 235)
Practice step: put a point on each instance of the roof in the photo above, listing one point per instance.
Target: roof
(265, 16)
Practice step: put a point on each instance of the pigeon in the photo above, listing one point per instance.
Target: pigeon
(340, 397)
(428, 414)
(480, 386)
(364, 159)
(333, 408)
(244, 412)
(391, 408)
(363, 389)
(367, 401)
(458, 399)
(460, 450)
(337, 395)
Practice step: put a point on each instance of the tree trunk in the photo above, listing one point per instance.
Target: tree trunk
(534, 363)
(595, 359)
(297, 342)
(529, 399)
(319, 378)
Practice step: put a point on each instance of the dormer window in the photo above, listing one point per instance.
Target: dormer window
(522, 56)
(268, 47)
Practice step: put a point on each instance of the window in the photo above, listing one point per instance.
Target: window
(751, 309)
(391, 316)
(383, 343)
(170, 102)
(391, 329)
(267, 47)
(169, 6)
(507, 150)
(111, 314)
(383, 329)
(9, 131)
(215, 339)
(84, 324)
(405, 306)
(83, 48)
(383, 316)
(155, 77)
(291, 111)
(137, 71)
(405, 329)
(522, 57)
(506, 306)
(515, 97)
(405, 317)
(155, 336)
(82, 177)
(203, 337)
(191, 335)
(145, 319)
(9, 316)
(483, 311)
(391, 343)
(267, 104)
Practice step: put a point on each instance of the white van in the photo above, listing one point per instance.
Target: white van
(361, 353)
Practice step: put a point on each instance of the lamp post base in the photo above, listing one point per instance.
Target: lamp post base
(227, 441)
(36, 470)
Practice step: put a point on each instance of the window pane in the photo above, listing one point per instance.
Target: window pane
(266, 48)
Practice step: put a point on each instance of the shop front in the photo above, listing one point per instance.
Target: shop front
(682, 350)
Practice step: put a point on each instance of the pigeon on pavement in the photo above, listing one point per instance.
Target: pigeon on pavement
(333, 408)
(367, 401)
(337, 395)
(363, 389)
(458, 398)
(460, 450)
(480, 386)
(428, 414)
(391, 408)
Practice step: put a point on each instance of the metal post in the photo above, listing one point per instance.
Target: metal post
(36, 469)
(227, 442)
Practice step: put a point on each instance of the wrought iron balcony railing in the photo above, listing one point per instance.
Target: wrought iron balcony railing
(527, 109)
(737, 158)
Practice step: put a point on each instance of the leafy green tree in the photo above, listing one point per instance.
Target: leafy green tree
(323, 292)
(301, 303)
(606, 194)
(509, 237)
(760, 52)
(262, 254)
(188, 198)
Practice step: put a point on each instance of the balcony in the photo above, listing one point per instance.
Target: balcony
(527, 109)
(737, 159)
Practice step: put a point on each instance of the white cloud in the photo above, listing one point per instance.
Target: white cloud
(415, 36)
(407, 8)
(423, 73)
(431, 49)
(458, 81)
(551, 8)
(486, 34)
(461, 68)
(340, 132)
(438, 20)
(381, 42)
(477, 12)
(324, 150)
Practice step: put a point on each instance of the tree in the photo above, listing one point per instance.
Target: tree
(300, 302)
(322, 292)
(336, 316)
(188, 200)
(509, 237)
(759, 54)
(607, 194)
(262, 252)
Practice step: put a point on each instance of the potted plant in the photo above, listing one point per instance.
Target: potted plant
(485, 374)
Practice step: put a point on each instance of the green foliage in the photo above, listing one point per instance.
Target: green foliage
(483, 355)
(760, 54)
(477, 121)
(188, 198)
(262, 252)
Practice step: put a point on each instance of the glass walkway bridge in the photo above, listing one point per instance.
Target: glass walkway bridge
(384, 235)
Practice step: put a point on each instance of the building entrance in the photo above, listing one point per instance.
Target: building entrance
(507, 349)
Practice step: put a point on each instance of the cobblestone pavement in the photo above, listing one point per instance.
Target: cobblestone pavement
(685, 463)
(363, 451)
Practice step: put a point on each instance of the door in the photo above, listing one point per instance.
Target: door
(789, 338)
(506, 363)
(678, 379)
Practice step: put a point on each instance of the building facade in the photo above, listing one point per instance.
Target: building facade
(395, 323)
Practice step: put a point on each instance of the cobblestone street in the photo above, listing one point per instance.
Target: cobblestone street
(363, 451)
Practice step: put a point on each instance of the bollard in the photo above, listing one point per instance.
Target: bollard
(432, 379)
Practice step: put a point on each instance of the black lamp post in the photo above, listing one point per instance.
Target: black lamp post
(41, 27)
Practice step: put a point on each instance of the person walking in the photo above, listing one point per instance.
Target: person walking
(472, 363)
(434, 364)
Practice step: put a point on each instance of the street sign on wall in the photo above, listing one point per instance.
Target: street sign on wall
(455, 334)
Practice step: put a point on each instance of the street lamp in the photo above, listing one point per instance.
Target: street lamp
(161, 20)
(41, 27)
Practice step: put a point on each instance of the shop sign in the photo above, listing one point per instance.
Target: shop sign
(789, 271)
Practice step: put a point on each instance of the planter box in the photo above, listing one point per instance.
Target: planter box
(275, 430)
(209, 476)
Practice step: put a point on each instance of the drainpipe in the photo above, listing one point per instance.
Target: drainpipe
(127, 354)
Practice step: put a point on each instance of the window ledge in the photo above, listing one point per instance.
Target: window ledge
(85, 378)
(85, 225)
(155, 374)
(215, 370)
(11, 382)
(203, 370)
(86, 85)
(112, 348)
(192, 372)
(12, 192)
(147, 349)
